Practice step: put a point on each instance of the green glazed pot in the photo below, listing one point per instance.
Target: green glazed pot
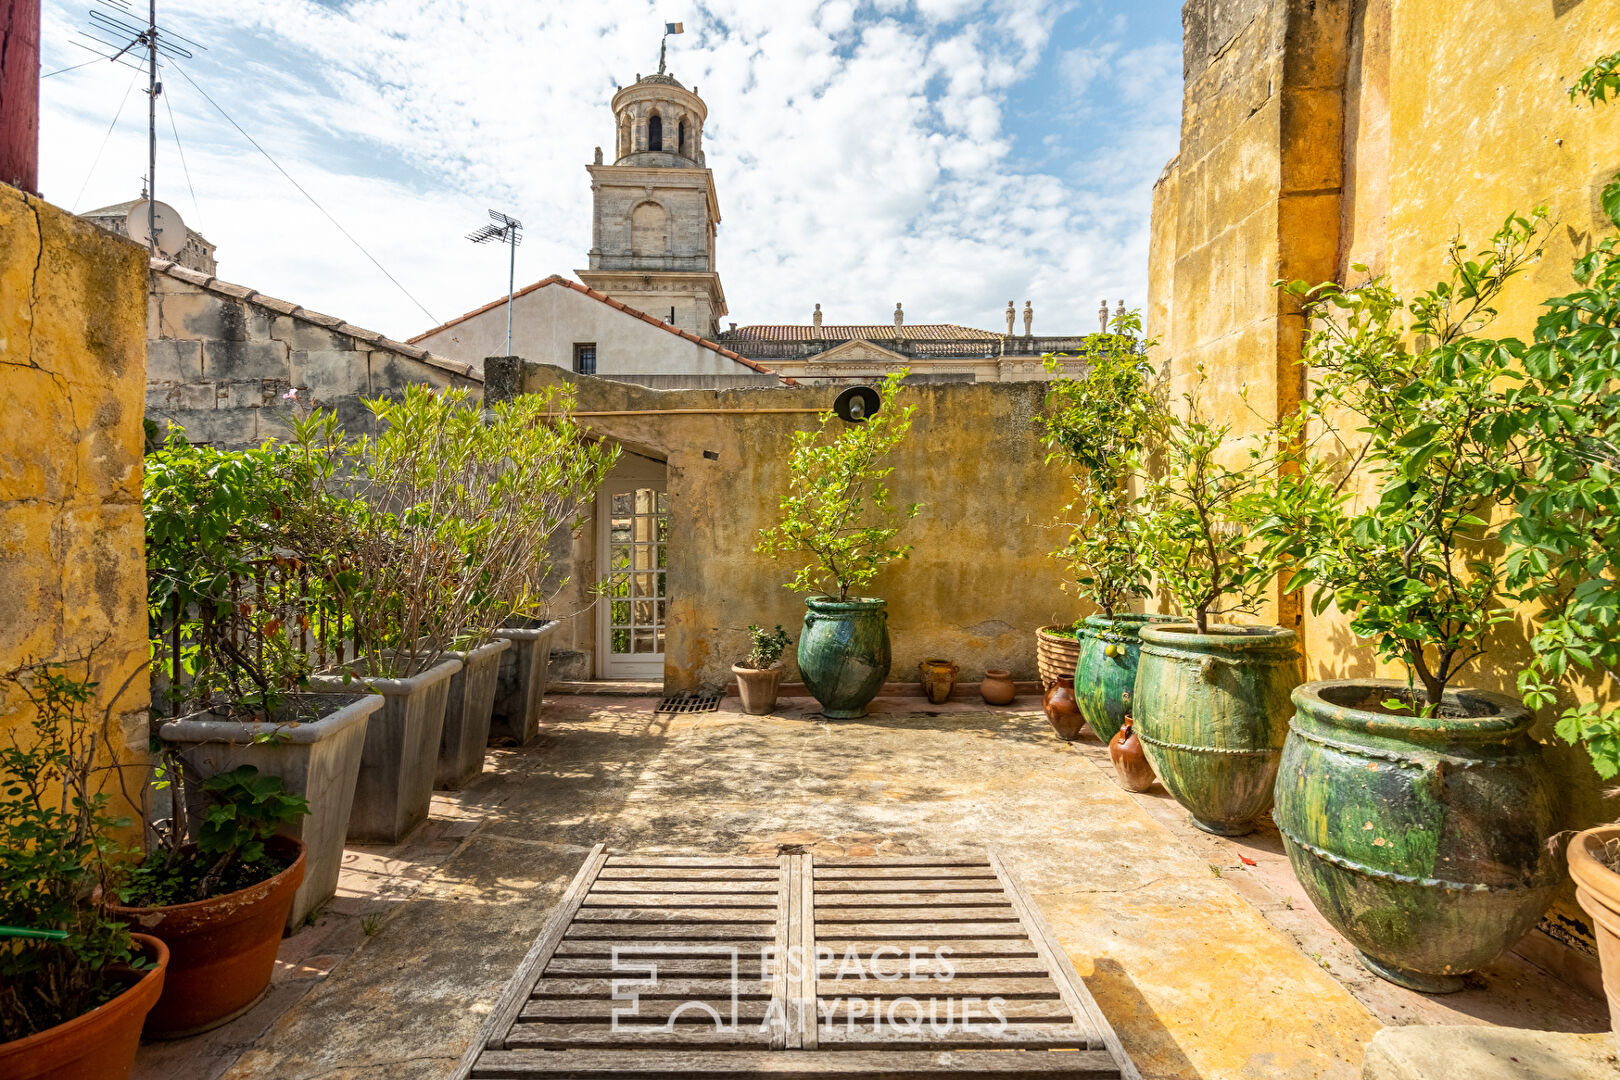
(1105, 673)
(1421, 839)
(1212, 712)
(844, 653)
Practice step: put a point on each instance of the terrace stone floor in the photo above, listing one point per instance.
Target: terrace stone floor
(1203, 952)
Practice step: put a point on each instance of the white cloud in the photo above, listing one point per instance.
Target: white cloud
(863, 153)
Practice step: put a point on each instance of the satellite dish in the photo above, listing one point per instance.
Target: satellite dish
(171, 231)
(857, 403)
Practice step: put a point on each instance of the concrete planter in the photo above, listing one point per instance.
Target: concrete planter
(318, 760)
(1420, 838)
(467, 715)
(521, 686)
(395, 785)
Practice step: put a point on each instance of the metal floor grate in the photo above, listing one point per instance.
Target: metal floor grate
(691, 701)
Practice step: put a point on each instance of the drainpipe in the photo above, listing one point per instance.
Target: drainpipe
(19, 94)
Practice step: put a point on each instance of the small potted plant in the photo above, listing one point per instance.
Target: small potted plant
(75, 984)
(760, 671)
(1094, 424)
(837, 515)
(1211, 700)
(215, 889)
(1414, 810)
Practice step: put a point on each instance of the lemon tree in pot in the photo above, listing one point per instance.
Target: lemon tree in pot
(837, 515)
(1414, 810)
(759, 673)
(1094, 424)
(1564, 539)
(75, 984)
(1211, 698)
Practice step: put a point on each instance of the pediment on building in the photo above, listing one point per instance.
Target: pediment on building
(859, 351)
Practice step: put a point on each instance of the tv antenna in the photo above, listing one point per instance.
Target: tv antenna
(117, 32)
(509, 231)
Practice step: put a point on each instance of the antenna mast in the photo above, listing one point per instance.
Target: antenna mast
(153, 88)
(509, 231)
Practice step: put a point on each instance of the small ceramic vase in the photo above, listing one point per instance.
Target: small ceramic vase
(1135, 774)
(1062, 710)
(938, 679)
(997, 687)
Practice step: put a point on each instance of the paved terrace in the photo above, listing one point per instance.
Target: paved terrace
(1204, 954)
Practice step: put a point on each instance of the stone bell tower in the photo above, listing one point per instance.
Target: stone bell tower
(654, 209)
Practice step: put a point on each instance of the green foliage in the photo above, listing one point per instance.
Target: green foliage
(767, 646)
(1564, 541)
(1195, 535)
(1408, 395)
(58, 855)
(1094, 423)
(836, 509)
(245, 809)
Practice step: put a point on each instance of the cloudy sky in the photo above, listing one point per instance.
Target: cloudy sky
(946, 153)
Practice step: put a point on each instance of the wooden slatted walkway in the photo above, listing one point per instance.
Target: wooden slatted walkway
(793, 966)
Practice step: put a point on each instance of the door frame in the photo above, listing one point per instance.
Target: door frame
(610, 665)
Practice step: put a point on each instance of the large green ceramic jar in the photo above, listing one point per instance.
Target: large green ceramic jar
(844, 653)
(1212, 712)
(1421, 839)
(1105, 673)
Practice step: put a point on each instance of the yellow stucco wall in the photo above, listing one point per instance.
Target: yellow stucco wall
(72, 385)
(978, 582)
(1321, 133)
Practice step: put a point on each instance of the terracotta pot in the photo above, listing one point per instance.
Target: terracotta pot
(1597, 888)
(1056, 654)
(222, 950)
(1062, 709)
(1130, 763)
(101, 1044)
(757, 687)
(938, 679)
(997, 687)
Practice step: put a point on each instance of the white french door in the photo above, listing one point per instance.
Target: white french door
(632, 526)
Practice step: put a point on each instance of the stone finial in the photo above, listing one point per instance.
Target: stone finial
(733, 327)
(1119, 312)
(1011, 315)
(1029, 319)
(815, 322)
(899, 319)
(1102, 316)
(598, 155)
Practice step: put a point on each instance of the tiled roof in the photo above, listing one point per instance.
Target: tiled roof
(326, 322)
(558, 279)
(873, 333)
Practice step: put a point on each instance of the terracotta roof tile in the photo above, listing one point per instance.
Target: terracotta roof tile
(874, 332)
(558, 279)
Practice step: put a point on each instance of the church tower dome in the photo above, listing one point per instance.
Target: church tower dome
(654, 210)
(659, 123)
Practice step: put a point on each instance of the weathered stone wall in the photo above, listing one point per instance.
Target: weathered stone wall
(72, 351)
(978, 582)
(1321, 133)
(221, 357)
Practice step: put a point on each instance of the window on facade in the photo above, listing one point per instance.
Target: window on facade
(585, 357)
(655, 133)
(680, 138)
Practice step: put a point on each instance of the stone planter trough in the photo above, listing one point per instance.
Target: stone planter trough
(467, 714)
(521, 686)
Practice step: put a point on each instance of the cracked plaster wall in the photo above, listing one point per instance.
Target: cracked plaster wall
(72, 376)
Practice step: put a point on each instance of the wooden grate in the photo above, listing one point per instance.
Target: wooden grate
(693, 966)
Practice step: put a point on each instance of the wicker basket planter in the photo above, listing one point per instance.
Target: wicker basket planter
(1055, 655)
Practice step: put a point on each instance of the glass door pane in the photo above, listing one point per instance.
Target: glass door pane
(634, 526)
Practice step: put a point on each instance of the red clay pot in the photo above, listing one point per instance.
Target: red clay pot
(1130, 763)
(101, 1044)
(997, 687)
(222, 950)
(1062, 709)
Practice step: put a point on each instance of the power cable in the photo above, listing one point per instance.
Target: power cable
(349, 236)
(195, 205)
(97, 160)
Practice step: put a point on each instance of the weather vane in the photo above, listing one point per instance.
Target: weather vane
(663, 43)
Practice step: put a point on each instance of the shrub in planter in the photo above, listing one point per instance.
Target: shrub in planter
(760, 671)
(1095, 424)
(76, 987)
(1211, 700)
(219, 901)
(1432, 867)
(837, 515)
